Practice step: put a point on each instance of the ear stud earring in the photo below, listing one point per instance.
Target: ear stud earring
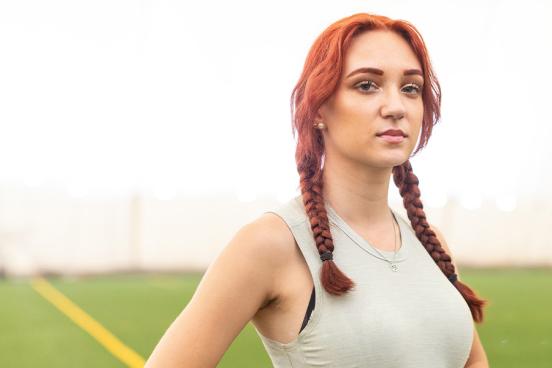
(320, 126)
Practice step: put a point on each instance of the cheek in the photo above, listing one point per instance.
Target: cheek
(355, 110)
(416, 130)
(416, 116)
(420, 112)
(355, 121)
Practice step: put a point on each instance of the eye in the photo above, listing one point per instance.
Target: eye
(364, 86)
(416, 87)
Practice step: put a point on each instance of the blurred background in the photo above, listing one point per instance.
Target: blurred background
(138, 136)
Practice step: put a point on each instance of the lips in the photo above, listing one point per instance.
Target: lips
(392, 132)
(392, 138)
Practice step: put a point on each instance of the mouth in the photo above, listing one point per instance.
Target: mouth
(393, 132)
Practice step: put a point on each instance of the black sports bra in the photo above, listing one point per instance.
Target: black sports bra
(309, 311)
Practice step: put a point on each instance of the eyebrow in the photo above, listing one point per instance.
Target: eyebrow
(380, 72)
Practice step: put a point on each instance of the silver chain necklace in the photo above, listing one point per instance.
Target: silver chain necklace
(392, 264)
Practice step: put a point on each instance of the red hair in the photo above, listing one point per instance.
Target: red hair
(318, 81)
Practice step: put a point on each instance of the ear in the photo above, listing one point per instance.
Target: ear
(321, 114)
(319, 117)
(445, 247)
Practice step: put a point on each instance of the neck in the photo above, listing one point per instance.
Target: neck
(357, 192)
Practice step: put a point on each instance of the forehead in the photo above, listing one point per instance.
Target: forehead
(384, 50)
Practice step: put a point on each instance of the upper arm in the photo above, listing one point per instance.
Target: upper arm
(237, 284)
(477, 353)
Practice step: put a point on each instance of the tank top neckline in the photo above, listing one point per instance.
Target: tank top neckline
(362, 243)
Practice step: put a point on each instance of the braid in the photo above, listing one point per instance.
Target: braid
(333, 280)
(407, 183)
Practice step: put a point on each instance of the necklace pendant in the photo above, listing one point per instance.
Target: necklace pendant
(394, 267)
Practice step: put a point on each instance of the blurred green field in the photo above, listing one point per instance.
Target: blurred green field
(137, 309)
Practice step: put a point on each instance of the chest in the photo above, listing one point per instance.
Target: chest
(410, 318)
(421, 323)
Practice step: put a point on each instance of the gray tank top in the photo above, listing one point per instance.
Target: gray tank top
(411, 318)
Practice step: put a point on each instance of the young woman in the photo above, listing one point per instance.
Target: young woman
(335, 277)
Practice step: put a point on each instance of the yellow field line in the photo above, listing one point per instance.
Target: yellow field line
(87, 323)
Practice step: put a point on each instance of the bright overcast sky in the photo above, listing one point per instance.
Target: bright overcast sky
(193, 98)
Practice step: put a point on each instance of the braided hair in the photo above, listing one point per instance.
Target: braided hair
(318, 81)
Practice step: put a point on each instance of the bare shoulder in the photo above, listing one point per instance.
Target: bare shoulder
(275, 228)
(269, 234)
(270, 241)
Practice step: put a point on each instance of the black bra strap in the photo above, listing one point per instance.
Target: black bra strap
(309, 310)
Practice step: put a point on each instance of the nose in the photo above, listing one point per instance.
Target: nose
(392, 106)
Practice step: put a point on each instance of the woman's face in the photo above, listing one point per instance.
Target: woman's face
(367, 103)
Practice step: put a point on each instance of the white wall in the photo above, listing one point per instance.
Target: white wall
(57, 233)
(172, 99)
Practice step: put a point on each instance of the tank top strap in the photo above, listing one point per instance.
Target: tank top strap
(294, 215)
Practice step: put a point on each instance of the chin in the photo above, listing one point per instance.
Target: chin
(391, 160)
